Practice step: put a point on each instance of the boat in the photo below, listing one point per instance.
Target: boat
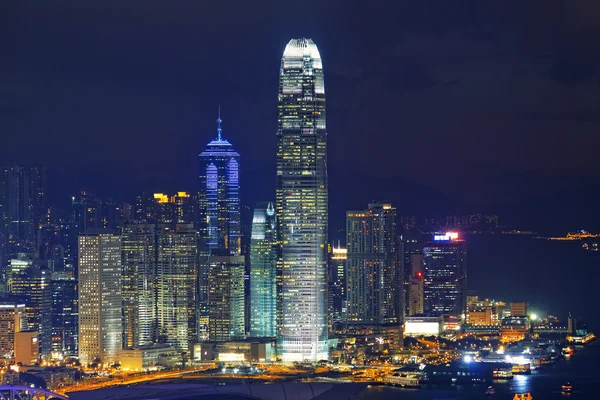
(567, 388)
(490, 391)
(523, 396)
(502, 373)
(402, 380)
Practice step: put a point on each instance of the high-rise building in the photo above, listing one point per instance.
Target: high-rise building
(176, 272)
(374, 277)
(338, 257)
(518, 309)
(263, 272)
(22, 207)
(159, 284)
(28, 285)
(445, 270)
(218, 219)
(301, 203)
(100, 298)
(59, 331)
(178, 208)
(219, 200)
(12, 320)
(226, 298)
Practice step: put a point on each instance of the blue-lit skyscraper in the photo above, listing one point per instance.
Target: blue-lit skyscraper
(263, 269)
(302, 204)
(219, 196)
(445, 271)
(219, 242)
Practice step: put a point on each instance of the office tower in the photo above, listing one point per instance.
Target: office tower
(219, 226)
(28, 286)
(59, 331)
(12, 319)
(176, 272)
(100, 299)
(412, 250)
(374, 277)
(159, 284)
(219, 200)
(302, 195)
(263, 272)
(138, 246)
(22, 207)
(178, 208)
(226, 298)
(445, 270)
(416, 297)
(337, 284)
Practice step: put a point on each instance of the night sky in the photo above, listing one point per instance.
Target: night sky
(465, 103)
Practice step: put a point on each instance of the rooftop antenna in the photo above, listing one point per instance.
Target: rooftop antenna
(219, 125)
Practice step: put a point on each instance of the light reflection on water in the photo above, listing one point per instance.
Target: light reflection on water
(543, 384)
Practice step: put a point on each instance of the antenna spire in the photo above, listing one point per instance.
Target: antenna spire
(219, 124)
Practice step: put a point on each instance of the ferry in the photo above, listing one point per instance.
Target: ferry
(402, 380)
(523, 396)
(521, 369)
(567, 388)
(502, 373)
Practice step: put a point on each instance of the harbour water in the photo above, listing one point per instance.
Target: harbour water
(544, 384)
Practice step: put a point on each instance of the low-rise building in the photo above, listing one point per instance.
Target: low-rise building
(421, 325)
(149, 357)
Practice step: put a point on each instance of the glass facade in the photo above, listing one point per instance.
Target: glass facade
(100, 299)
(374, 275)
(219, 216)
(445, 271)
(226, 298)
(301, 204)
(159, 284)
(60, 310)
(263, 270)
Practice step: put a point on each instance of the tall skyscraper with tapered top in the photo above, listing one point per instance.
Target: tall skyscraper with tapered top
(219, 224)
(302, 204)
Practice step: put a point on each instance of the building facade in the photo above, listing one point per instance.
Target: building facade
(159, 285)
(302, 203)
(445, 271)
(100, 298)
(263, 272)
(338, 256)
(226, 298)
(12, 319)
(59, 333)
(218, 216)
(374, 278)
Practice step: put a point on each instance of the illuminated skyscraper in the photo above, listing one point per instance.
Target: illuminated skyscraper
(302, 203)
(219, 224)
(338, 257)
(159, 284)
(445, 271)
(263, 271)
(100, 300)
(59, 317)
(219, 199)
(374, 275)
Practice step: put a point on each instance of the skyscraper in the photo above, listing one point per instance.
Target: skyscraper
(100, 301)
(219, 199)
(263, 271)
(301, 203)
(338, 257)
(22, 205)
(59, 315)
(226, 298)
(218, 223)
(374, 277)
(445, 271)
(159, 284)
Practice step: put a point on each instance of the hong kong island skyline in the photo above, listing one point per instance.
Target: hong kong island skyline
(315, 211)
